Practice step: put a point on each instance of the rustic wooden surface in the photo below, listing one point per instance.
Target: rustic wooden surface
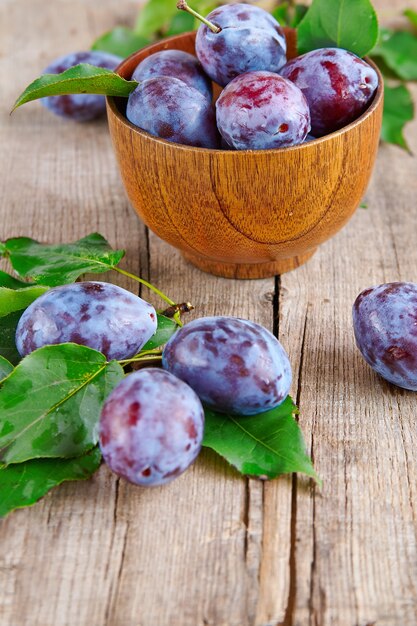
(213, 548)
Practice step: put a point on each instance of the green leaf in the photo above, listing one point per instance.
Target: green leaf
(9, 322)
(298, 14)
(11, 282)
(155, 15)
(82, 78)
(24, 484)
(181, 23)
(349, 24)
(412, 16)
(281, 14)
(165, 329)
(398, 110)
(399, 52)
(12, 300)
(8, 348)
(50, 404)
(121, 41)
(63, 263)
(2, 249)
(5, 368)
(289, 15)
(265, 445)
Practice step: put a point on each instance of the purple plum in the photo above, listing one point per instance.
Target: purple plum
(337, 84)
(385, 326)
(261, 110)
(94, 314)
(151, 427)
(79, 107)
(168, 108)
(234, 365)
(249, 39)
(177, 64)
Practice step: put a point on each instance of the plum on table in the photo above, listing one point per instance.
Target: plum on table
(234, 365)
(385, 326)
(79, 107)
(94, 314)
(151, 427)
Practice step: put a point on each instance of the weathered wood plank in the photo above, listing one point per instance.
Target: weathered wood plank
(355, 543)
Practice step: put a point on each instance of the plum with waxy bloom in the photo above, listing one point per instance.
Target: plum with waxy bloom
(151, 427)
(337, 84)
(385, 326)
(94, 314)
(249, 39)
(168, 108)
(234, 365)
(177, 64)
(261, 110)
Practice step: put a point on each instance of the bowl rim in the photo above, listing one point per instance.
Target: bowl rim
(111, 106)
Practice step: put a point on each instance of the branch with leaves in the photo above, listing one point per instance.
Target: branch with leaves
(51, 400)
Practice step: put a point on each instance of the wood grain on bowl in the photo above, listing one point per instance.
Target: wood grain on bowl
(247, 214)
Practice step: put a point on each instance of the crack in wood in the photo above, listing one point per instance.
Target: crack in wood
(292, 561)
(113, 597)
(407, 463)
(116, 500)
(245, 519)
(313, 565)
(275, 305)
(115, 505)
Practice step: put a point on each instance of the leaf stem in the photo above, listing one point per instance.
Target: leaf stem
(176, 317)
(137, 357)
(148, 285)
(144, 359)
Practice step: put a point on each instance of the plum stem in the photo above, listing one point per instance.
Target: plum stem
(158, 292)
(183, 6)
(184, 307)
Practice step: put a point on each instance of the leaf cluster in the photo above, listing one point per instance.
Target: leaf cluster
(50, 401)
(396, 56)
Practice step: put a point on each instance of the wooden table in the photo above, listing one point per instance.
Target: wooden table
(213, 548)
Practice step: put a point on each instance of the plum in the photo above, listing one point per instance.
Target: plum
(79, 107)
(151, 427)
(234, 365)
(94, 314)
(337, 84)
(385, 326)
(167, 107)
(177, 64)
(261, 110)
(238, 38)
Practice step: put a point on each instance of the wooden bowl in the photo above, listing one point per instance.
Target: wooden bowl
(244, 214)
